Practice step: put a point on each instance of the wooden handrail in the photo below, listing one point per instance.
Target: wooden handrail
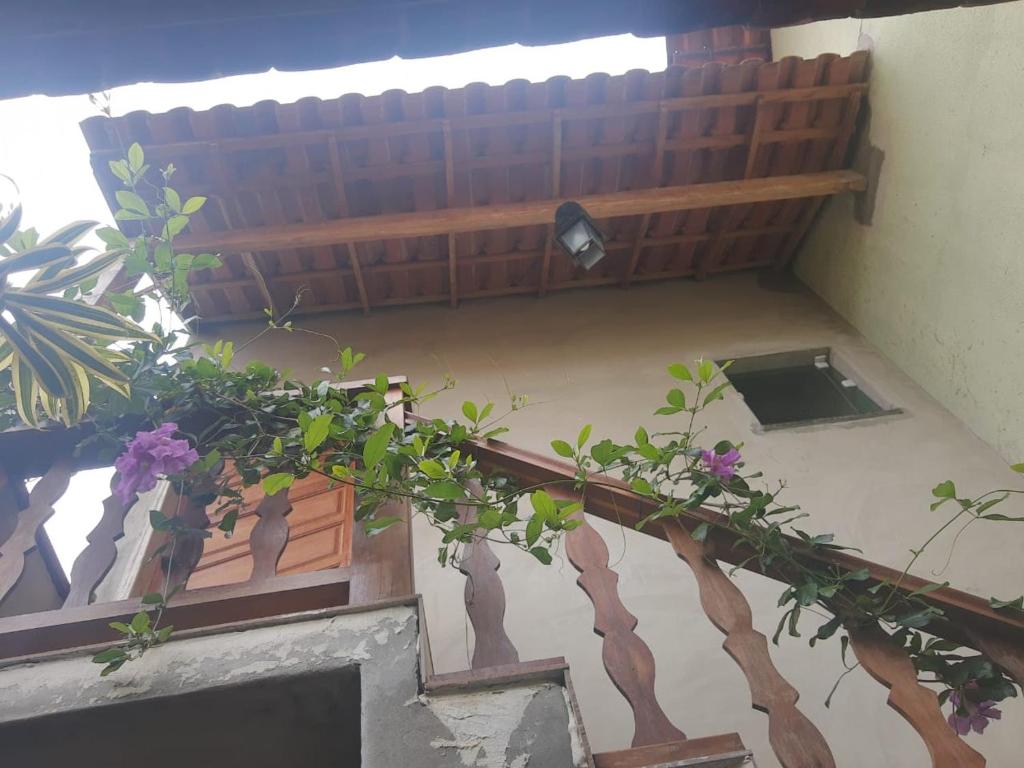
(611, 499)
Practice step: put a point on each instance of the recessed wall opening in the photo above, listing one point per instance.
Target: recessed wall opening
(791, 389)
(311, 720)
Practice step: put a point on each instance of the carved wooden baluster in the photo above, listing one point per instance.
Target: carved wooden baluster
(888, 664)
(795, 740)
(185, 552)
(96, 560)
(40, 508)
(270, 535)
(627, 659)
(485, 597)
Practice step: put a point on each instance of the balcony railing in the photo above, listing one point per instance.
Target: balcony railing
(379, 568)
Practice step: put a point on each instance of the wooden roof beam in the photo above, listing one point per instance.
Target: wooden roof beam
(531, 213)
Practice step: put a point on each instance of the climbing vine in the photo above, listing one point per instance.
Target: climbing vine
(181, 411)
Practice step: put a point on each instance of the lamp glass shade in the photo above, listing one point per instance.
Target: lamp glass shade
(578, 236)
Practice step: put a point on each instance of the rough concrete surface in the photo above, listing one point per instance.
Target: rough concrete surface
(519, 726)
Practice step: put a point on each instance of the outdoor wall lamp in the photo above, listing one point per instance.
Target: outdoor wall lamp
(578, 236)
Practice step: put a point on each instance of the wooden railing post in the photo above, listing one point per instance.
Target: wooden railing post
(889, 664)
(40, 509)
(627, 659)
(485, 597)
(96, 560)
(382, 564)
(270, 535)
(794, 739)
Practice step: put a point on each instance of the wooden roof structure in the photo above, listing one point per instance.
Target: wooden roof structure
(448, 195)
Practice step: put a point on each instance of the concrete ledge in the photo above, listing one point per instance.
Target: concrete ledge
(544, 670)
(722, 751)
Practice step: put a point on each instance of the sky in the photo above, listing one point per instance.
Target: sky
(42, 149)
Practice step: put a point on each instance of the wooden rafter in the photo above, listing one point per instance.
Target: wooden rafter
(449, 191)
(458, 220)
(656, 178)
(556, 188)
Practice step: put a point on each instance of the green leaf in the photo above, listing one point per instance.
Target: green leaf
(716, 393)
(121, 627)
(705, 370)
(944, 490)
(541, 554)
(109, 655)
(807, 593)
(448, 490)
(534, 529)
(490, 518)
(1018, 467)
(676, 398)
(377, 445)
(174, 226)
(131, 202)
(433, 469)
(583, 436)
(153, 598)
(227, 523)
(172, 199)
(469, 411)
(120, 169)
(113, 237)
(277, 482)
(1002, 517)
(127, 304)
(140, 622)
(193, 204)
(318, 431)
(680, 371)
(700, 533)
(562, 448)
(378, 524)
(1016, 604)
(136, 157)
(544, 505)
(641, 437)
(666, 410)
(206, 261)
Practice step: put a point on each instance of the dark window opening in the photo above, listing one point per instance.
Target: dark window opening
(799, 388)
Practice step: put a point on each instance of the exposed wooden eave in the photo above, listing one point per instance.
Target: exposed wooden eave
(461, 220)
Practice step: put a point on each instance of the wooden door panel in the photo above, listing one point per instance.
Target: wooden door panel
(320, 534)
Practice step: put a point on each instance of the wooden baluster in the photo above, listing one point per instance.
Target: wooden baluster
(96, 560)
(794, 738)
(485, 597)
(627, 659)
(888, 664)
(40, 508)
(186, 550)
(270, 535)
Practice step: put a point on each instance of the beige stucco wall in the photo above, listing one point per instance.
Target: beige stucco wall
(936, 280)
(600, 356)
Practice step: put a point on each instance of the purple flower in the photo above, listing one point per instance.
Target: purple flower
(968, 716)
(722, 466)
(148, 456)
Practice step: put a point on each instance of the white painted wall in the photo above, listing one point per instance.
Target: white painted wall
(936, 282)
(600, 356)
